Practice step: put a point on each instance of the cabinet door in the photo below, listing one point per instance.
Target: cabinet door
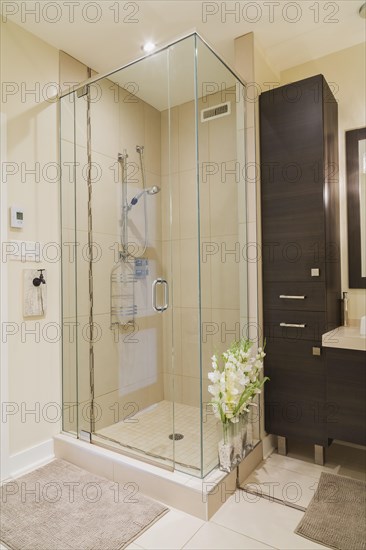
(295, 394)
(292, 180)
(346, 395)
(291, 130)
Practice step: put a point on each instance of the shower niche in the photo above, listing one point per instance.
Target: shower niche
(154, 232)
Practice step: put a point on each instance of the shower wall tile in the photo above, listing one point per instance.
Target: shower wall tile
(83, 342)
(132, 127)
(228, 326)
(222, 150)
(152, 140)
(67, 118)
(172, 341)
(105, 194)
(171, 270)
(170, 141)
(82, 270)
(173, 387)
(189, 273)
(188, 205)
(74, 190)
(190, 335)
(223, 201)
(67, 185)
(105, 257)
(106, 361)
(225, 272)
(203, 134)
(68, 274)
(191, 393)
(170, 207)
(104, 110)
(187, 136)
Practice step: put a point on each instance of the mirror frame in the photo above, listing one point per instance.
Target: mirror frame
(355, 280)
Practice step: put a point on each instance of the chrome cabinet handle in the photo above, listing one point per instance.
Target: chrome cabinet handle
(293, 325)
(287, 297)
(157, 282)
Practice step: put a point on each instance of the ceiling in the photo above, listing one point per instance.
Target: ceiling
(109, 33)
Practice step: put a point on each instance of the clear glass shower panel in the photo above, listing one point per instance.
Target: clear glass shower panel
(222, 200)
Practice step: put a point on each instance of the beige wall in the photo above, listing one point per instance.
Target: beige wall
(34, 363)
(345, 72)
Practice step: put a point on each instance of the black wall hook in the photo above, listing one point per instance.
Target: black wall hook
(37, 281)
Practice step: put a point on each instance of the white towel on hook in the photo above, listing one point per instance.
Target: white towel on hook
(35, 297)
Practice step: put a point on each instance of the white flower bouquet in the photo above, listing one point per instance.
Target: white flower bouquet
(235, 383)
(235, 380)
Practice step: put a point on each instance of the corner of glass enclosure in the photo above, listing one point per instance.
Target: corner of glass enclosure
(154, 232)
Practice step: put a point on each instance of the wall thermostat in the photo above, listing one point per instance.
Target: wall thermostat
(16, 217)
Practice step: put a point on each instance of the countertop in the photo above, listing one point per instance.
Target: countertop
(345, 338)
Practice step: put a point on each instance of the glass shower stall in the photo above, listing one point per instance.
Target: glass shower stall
(154, 234)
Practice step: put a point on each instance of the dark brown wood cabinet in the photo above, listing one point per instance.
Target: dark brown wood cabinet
(301, 254)
(346, 395)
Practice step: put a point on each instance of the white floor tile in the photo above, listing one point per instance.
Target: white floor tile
(265, 521)
(172, 531)
(299, 466)
(150, 435)
(216, 537)
(273, 481)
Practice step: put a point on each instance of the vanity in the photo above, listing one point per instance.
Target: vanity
(345, 369)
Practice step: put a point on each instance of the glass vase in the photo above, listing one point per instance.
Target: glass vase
(232, 441)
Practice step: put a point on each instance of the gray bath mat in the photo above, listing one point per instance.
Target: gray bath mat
(336, 515)
(63, 507)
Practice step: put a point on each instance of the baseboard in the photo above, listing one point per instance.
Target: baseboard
(29, 459)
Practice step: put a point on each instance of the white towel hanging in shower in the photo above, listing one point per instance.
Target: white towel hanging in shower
(35, 297)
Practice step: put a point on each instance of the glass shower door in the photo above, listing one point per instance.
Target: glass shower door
(130, 220)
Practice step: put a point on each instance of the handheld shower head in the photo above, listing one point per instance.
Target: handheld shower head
(150, 191)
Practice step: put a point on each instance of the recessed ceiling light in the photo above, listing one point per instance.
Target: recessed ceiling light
(149, 47)
(362, 11)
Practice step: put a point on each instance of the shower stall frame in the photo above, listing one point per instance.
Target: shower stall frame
(82, 89)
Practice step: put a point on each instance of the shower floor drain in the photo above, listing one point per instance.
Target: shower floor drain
(176, 437)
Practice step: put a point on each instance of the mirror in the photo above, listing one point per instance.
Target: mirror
(356, 206)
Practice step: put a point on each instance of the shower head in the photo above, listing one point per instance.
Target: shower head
(153, 190)
(150, 191)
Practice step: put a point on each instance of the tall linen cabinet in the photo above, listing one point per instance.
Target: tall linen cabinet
(301, 254)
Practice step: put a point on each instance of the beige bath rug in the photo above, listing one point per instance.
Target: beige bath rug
(336, 515)
(63, 507)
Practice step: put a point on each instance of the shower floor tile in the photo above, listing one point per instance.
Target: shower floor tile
(148, 432)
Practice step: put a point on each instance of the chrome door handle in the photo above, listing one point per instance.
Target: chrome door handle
(157, 282)
(286, 297)
(293, 325)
